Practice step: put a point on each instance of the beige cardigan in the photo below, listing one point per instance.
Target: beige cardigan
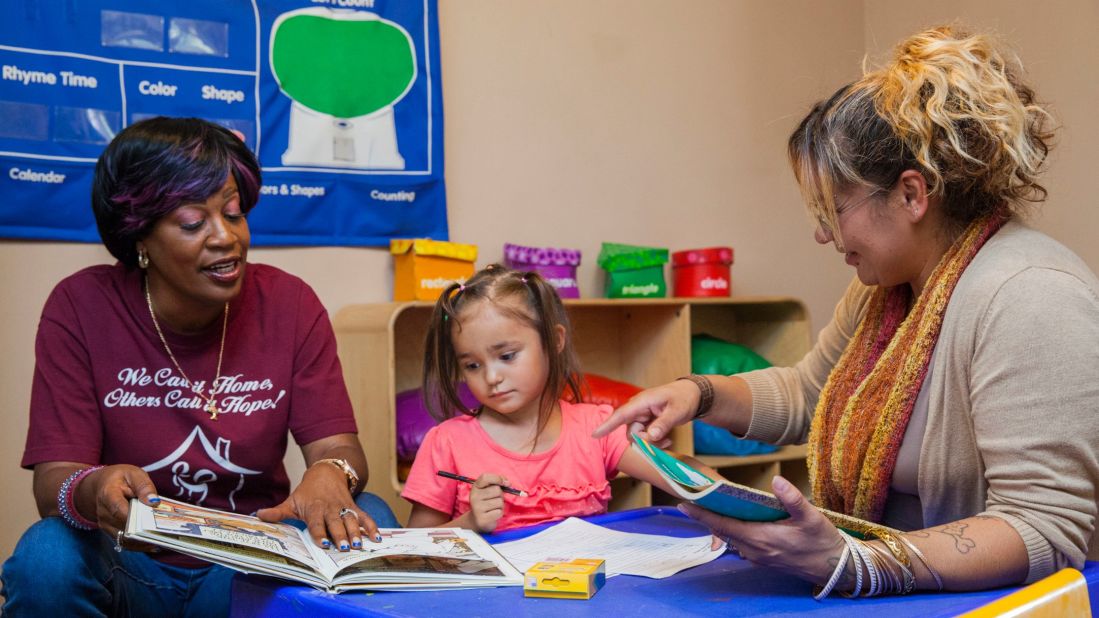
(1013, 406)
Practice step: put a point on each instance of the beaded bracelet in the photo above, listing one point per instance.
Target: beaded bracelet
(66, 501)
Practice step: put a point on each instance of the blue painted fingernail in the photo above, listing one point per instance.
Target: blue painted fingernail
(325, 543)
(356, 543)
(377, 538)
(344, 547)
(154, 499)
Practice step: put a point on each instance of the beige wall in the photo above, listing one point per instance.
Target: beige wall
(578, 121)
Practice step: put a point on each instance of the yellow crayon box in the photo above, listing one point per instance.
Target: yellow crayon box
(422, 267)
(580, 578)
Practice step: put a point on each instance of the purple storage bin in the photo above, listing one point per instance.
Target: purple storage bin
(558, 266)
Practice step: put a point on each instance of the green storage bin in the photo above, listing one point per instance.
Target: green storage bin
(633, 272)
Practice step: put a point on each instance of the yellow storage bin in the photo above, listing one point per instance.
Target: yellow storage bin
(422, 267)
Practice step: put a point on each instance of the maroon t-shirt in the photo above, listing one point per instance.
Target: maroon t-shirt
(106, 392)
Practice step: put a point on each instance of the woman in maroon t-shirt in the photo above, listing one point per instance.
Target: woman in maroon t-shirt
(180, 370)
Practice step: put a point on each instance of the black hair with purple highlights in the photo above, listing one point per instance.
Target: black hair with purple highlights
(156, 165)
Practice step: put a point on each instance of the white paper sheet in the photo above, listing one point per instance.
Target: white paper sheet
(626, 553)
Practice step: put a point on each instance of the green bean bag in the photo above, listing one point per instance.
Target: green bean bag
(710, 355)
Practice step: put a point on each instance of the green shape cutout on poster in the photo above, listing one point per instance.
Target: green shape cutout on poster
(344, 71)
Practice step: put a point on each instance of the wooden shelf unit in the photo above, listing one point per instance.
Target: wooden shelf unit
(645, 342)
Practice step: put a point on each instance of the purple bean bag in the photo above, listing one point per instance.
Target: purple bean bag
(413, 419)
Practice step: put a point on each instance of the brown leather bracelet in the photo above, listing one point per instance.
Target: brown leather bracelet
(706, 393)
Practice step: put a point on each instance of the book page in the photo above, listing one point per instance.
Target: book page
(626, 553)
(218, 528)
(428, 552)
(405, 559)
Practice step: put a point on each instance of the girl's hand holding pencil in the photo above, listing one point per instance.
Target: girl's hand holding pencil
(466, 479)
(486, 498)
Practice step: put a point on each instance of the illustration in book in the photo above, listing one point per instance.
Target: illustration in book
(406, 559)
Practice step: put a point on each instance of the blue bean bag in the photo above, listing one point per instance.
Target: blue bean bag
(710, 355)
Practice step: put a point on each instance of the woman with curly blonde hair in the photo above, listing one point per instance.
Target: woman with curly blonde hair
(953, 394)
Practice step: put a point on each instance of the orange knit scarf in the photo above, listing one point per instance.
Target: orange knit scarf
(864, 408)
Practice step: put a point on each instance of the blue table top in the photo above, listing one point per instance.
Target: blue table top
(727, 586)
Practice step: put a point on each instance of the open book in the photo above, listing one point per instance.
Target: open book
(406, 559)
(733, 499)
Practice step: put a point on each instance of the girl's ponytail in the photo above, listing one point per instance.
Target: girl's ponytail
(440, 370)
(564, 378)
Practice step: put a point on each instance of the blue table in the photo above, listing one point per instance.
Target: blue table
(727, 586)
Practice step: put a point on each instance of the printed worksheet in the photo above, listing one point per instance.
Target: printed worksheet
(626, 553)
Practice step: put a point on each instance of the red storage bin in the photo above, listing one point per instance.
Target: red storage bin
(702, 272)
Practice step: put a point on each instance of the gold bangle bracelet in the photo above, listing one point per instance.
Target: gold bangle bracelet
(346, 468)
(892, 543)
(894, 548)
(919, 554)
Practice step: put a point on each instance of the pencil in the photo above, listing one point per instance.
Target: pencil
(466, 479)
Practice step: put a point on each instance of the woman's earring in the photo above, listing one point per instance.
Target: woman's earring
(142, 259)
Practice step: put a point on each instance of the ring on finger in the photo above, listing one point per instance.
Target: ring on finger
(118, 541)
(344, 512)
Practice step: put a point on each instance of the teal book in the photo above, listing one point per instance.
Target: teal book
(733, 499)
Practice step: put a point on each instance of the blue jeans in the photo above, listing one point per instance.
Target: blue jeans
(57, 570)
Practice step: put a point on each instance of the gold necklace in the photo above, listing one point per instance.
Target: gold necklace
(211, 408)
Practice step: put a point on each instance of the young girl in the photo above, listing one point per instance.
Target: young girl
(506, 335)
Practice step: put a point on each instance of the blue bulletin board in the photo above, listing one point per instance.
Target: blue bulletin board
(339, 99)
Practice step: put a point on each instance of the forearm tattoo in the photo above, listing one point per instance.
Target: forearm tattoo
(847, 579)
(956, 531)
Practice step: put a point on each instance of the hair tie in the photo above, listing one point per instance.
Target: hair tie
(523, 279)
(454, 293)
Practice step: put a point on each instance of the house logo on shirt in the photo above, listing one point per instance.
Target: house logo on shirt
(199, 466)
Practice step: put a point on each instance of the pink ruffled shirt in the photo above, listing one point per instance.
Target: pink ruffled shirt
(572, 478)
